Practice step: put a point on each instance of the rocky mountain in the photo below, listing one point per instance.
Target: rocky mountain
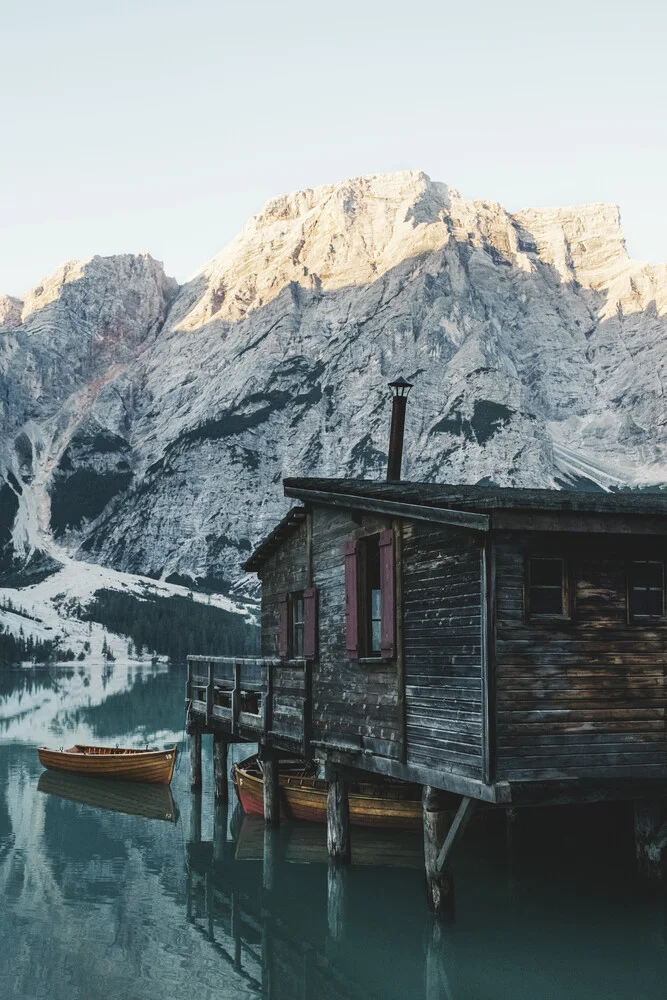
(148, 427)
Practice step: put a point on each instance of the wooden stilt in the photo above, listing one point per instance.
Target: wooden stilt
(650, 839)
(338, 819)
(195, 759)
(269, 866)
(336, 890)
(220, 782)
(271, 788)
(439, 880)
(195, 819)
(219, 830)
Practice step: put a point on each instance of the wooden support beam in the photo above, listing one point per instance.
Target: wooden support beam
(336, 893)
(195, 819)
(439, 881)
(269, 858)
(220, 779)
(271, 788)
(649, 839)
(338, 819)
(219, 830)
(456, 831)
(195, 759)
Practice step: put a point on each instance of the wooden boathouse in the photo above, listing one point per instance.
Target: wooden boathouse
(495, 645)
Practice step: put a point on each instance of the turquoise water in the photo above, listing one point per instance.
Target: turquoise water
(113, 892)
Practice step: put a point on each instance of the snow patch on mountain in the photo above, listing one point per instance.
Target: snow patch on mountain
(49, 608)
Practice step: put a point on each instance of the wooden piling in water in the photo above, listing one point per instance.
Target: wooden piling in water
(336, 892)
(338, 819)
(195, 759)
(271, 788)
(220, 776)
(650, 839)
(439, 880)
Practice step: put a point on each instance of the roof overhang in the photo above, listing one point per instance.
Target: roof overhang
(291, 521)
(393, 508)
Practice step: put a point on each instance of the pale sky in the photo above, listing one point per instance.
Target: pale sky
(138, 125)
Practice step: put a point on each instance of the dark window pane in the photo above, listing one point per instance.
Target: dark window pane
(546, 572)
(655, 603)
(640, 603)
(647, 574)
(546, 601)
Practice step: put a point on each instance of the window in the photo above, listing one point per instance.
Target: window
(372, 598)
(547, 588)
(646, 589)
(298, 620)
(369, 596)
(297, 615)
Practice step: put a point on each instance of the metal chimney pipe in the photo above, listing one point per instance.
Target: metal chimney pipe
(400, 389)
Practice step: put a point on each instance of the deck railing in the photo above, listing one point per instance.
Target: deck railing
(241, 693)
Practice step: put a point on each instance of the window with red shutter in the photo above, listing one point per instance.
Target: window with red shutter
(370, 596)
(310, 623)
(352, 599)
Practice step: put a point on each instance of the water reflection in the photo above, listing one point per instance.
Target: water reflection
(103, 900)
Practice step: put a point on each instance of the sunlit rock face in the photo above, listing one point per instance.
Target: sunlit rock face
(149, 428)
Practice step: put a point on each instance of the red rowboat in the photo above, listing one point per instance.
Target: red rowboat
(392, 805)
(119, 763)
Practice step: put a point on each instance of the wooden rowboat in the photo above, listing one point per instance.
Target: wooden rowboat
(391, 805)
(118, 763)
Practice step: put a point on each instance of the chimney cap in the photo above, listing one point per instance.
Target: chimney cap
(400, 386)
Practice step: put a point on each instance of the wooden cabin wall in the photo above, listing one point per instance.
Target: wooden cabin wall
(584, 697)
(442, 628)
(353, 702)
(284, 572)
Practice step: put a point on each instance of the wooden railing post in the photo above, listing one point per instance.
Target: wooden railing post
(188, 681)
(268, 701)
(236, 698)
(210, 689)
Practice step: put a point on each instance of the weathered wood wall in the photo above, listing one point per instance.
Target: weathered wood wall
(584, 697)
(352, 700)
(285, 572)
(442, 626)
(354, 703)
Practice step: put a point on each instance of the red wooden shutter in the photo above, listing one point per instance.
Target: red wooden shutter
(310, 623)
(283, 637)
(387, 602)
(351, 600)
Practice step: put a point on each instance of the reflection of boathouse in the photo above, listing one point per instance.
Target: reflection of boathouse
(503, 646)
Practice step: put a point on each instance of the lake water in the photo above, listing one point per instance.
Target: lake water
(118, 893)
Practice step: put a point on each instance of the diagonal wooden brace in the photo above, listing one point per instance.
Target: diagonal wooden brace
(456, 831)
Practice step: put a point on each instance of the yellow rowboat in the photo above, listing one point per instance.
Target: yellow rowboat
(119, 763)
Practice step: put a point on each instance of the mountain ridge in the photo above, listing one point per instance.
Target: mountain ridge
(148, 425)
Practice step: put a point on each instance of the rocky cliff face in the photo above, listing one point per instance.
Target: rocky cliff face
(149, 427)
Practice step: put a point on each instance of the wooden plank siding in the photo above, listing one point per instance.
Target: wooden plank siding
(583, 697)
(442, 630)
(354, 703)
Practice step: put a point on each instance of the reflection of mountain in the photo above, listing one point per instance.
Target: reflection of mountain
(43, 706)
